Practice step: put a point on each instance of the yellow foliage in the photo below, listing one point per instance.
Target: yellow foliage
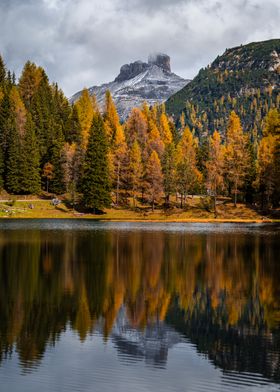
(112, 121)
(85, 110)
(166, 134)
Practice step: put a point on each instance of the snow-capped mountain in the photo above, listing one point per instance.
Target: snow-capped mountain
(139, 82)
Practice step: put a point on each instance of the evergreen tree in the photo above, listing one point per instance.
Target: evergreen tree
(2, 168)
(2, 73)
(5, 112)
(203, 155)
(43, 110)
(31, 182)
(272, 132)
(14, 158)
(73, 131)
(56, 157)
(96, 184)
(61, 108)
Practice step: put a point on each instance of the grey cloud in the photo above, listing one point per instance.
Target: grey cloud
(84, 42)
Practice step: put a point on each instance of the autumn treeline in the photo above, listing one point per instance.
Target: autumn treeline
(84, 281)
(48, 144)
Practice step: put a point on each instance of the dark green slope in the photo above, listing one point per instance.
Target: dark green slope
(245, 79)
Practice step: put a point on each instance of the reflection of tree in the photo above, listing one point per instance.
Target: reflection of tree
(218, 289)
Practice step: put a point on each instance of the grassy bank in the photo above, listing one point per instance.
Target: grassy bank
(41, 209)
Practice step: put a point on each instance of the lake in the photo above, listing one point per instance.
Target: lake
(93, 306)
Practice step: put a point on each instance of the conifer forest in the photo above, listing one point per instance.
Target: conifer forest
(85, 153)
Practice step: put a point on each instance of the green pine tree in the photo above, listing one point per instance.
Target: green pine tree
(57, 184)
(14, 174)
(42, 110)
(2, 167)
(2, 73)
(5, 110)
(96, 184)
(31, 182)
(73, 130)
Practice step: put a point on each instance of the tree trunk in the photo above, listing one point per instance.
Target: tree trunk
(235, 194)
(118, 185)
(134, 201)
(167, 197)
(215, 206)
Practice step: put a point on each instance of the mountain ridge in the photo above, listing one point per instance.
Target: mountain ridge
(245, 79)
(138, 82)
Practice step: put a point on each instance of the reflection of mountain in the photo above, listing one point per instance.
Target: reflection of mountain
(221, 290)
(151, 344)
(237, 348)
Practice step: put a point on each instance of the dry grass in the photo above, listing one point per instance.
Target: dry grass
(226, 212)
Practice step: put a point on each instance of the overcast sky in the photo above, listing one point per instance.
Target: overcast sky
(81, 43)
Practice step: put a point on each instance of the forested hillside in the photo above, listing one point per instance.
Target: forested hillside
(47, 144)
(245, 79)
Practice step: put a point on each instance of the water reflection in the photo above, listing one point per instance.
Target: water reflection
(146, 291)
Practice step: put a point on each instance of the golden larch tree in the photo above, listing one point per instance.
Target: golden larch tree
(111, 117)
(236, 155)
(187, 173)
(135, 169)
(85, 110)
(215, 166)
(154, 178)
(166, 134)
(119, 155)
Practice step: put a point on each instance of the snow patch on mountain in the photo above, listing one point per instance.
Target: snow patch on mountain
(139, 82)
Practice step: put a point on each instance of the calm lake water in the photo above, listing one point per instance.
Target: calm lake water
(88, 306)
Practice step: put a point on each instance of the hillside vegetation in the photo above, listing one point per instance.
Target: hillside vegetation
(245, 79)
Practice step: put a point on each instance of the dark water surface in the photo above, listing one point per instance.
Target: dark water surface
(88, 306)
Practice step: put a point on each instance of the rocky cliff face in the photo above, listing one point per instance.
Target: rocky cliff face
(140, 82)
(161, 60)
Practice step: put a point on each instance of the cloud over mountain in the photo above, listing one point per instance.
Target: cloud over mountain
(84, 42)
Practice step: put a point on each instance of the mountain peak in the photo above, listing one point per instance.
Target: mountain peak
(161, 60)
(139, 82)
(129, 71)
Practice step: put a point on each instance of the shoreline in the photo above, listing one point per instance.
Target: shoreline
(133, 220)
(43, 209)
